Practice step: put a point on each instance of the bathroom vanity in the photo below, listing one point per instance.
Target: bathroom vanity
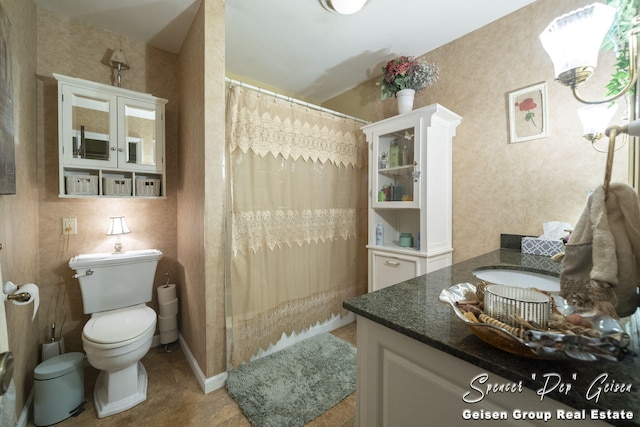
(418, 364)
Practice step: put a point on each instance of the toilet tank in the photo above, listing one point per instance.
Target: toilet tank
(109, 281)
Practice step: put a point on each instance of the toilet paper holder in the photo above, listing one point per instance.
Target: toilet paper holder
(20, 297)
(10, 293)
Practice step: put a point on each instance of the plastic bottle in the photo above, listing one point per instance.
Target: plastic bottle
(379, 235)
(394, 154)
(383, 161)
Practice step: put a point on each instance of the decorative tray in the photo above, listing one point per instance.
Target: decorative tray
(603, 340)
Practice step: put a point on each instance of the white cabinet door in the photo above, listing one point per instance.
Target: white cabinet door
(141, 135)
(88, 127)
(396, 164)
(403, 382)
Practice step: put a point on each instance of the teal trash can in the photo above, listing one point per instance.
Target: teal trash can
(58, 385)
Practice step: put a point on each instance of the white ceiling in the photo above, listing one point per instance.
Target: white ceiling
(296, 45)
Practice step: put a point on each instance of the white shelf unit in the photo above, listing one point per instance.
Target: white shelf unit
(111, 141)
(410, 164)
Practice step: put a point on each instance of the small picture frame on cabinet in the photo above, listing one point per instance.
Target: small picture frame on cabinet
(528, 113)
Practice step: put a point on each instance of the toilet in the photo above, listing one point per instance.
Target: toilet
(115, 288)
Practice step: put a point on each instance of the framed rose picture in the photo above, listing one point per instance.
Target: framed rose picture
(528, 113)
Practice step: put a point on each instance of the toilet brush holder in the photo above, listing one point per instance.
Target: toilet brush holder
(54, 347)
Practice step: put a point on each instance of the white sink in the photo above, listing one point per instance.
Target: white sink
(519, 278)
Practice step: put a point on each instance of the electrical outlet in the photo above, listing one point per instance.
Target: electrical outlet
(69, 226)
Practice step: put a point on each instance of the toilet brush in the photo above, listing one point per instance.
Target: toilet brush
(53, 347)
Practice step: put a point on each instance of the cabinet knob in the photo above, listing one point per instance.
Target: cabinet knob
(392, 263)
(121, 149)
(113, 148)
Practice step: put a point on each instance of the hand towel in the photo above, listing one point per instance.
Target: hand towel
(601, 264)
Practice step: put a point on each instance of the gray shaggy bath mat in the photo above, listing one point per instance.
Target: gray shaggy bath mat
(297, 384)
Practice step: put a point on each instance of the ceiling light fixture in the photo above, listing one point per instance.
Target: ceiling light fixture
(343, 7)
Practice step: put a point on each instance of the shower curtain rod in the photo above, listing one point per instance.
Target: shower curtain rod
(296, 101)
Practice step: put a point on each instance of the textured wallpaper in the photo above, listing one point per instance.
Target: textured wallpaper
(499, 187)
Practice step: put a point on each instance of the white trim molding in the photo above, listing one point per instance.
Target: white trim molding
(206, 384)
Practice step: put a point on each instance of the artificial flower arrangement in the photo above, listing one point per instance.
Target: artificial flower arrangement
(406, 72)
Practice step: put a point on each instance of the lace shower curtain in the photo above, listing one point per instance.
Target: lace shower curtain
(298, 217)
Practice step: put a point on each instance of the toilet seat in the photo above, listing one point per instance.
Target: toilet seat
(119, 327)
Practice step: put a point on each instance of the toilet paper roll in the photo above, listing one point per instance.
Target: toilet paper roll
(166, 293)
(33, 290)
(168, 336)
(169, 308)
(167, 323)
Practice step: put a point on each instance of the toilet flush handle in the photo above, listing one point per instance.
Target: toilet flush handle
(88, 272)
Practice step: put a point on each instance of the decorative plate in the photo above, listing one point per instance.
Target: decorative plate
(544, 344)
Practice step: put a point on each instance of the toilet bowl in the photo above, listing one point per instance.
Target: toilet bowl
(114, 342)
(115, 288)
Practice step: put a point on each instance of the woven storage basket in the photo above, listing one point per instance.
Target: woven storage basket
(116, 186)
(147, 187)
(81, 184)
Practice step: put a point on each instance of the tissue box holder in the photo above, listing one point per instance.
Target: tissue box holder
(537, 246)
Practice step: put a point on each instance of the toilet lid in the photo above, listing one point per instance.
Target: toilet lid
(119, 325)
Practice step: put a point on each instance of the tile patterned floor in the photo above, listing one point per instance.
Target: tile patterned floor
(174, 398)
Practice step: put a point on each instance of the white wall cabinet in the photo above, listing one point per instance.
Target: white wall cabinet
(111, 141)
(410, 194)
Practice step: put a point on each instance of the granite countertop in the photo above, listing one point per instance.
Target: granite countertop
(412, 308)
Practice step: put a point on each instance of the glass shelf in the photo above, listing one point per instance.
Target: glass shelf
(397, 171)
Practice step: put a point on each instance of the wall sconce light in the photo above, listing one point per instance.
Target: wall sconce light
(343, 7)
(117, 227)
(595, 118)
(119, 63)
(573, 42)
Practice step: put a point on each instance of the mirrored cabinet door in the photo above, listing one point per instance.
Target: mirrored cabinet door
(142, 135)
(89, 129)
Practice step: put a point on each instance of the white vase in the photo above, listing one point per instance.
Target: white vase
(405, 100)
